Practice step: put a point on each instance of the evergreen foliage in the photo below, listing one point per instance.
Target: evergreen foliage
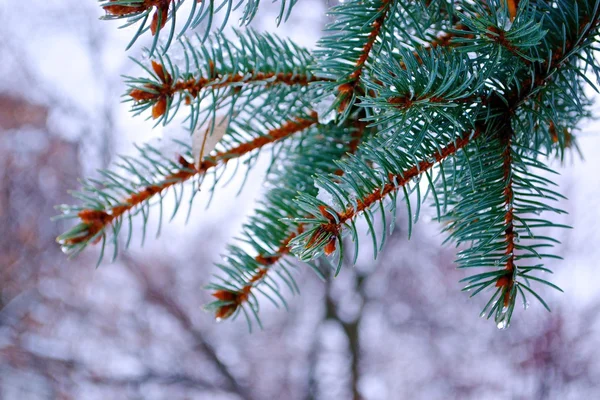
(461, 105)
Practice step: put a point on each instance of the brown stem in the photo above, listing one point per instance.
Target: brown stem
(158, 94)
(506, 281)
(193, 86)
(515, 100)
(97, 220)
(268, 260)
(443, 40)
(236, 298)
(348, 88)
(499, 36)
(394, 183)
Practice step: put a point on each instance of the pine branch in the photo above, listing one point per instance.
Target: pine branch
(560, 57)
(348, 90)
(221, 76)
(343, 56)
(139, 11)
(471, 96)
(269, 234)
(161, 94)
(98, 216)
(394, 184)
(325, 237)
(361, 28)
(520, 185)
(234, 299)
(499, 27)
(326, 224)
(499, 219)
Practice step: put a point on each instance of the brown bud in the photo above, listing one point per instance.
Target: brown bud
(118, 10)
(90, 216)
(326, 213)
(225, 295)
(159, 108)
(160, 72)
(163, 11)
(141, 95)
(330, 246)
(225, 311)
(503, 281)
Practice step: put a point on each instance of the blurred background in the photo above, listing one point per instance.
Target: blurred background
(393, 328)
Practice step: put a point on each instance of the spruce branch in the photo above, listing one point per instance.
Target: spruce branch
(360, 30)
(97, 216)
(271, 230)
(229, 301)
(161, 11)
(493, 110)
(325, 225)
(465, 100)
(499, 220)
(501, 27)
(160, 94)
(520, 187)
(231, 76)
(349, 83)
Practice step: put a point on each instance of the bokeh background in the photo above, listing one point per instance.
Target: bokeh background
(394, 328)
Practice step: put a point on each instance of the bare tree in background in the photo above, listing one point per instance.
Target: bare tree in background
(136, 329)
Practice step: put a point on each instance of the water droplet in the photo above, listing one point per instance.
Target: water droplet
(482, 315)
(218, 319)
(502, 324)
(526, 305)
(502, 319)
(65, 249)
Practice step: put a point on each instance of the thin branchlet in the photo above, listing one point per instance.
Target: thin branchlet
(96, 220)
(233, 299)
(506, 282)
(546, 70)
(395, 182)
(350, 85)
(159, 94)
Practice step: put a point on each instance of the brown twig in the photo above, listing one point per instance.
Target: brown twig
(517, 98)
(349, 87)
(394, 183)
(160, 93)
(235, 299)
(506, 281)
(162, 10)
(97, 220)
